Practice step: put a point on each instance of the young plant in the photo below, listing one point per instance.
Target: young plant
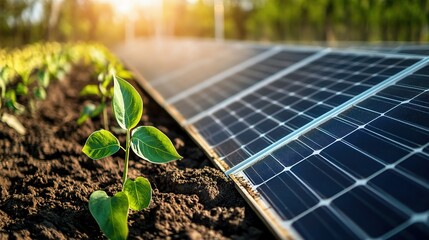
(103, 91)
(149, 143)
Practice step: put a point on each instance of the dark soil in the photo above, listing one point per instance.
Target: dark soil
(45, 179)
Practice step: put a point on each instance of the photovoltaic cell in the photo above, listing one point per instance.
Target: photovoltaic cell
(368, 179)
(257, 120)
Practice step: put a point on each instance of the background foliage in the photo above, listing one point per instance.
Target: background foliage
(25, 21)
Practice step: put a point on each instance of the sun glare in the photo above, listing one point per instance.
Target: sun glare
(126, 6)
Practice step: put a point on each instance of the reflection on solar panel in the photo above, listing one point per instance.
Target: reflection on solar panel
(324, 144)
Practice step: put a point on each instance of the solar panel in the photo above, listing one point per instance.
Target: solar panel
(323, 143)
(363, 176)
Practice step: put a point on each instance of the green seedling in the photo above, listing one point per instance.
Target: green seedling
(104, 91)
(149, 143)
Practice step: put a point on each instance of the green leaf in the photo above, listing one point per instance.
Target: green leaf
(101, 144)
(127, 104)
(139, 193)
(111, 213)
(90, 89)
(98, 110)
(124, 74)
(40, 93)
(152, 145)
(87, 110)
(43, 77)
(21, 89)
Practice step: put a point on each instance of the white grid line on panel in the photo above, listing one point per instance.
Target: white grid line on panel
(314, 123)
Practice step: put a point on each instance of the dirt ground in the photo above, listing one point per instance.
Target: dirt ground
(45, 179)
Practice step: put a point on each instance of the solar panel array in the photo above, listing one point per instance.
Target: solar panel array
(325, 144)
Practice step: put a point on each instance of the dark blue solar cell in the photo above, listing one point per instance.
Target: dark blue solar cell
(398, 93)
(398, 131)
(218, 138)
(236, 157)
(322, 177)
(263, 170)
(412, 114)
(214, 127)
(371, 213)
(227, 147)
(221, 113)
(228, 120)
(235, 105)
(318, 110)
(292, 153)
(370, 60)
(337, 127)
(247, 136)
(339, 75)
(422, 100)
(372, 70)
(376, 146)
(377, 104)
(322, 95)
(270, 109)
(358, 116)
(317, 139)
(322, 83)
(391, 71)
(408, 62)
(337, 87)
(403, 189)
(243, 112)
(266, 125)
(284, 115)
(323, 224)
(278, 133)
(260, 103)
(257, 145)
(298, 121)
(417, 165)
(237, 127)
(307, 91)
(251, 98)
(356, 90)
(423, 71)
(351, 160)
(204, 122)
(416, 231)
(287, 195)
(355, 77)
(254, 118)
(302, 105)
(390, 61)
(289, 100)
(337, 100)
(373, 80)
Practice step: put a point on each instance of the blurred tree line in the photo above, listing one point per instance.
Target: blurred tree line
(25, 21)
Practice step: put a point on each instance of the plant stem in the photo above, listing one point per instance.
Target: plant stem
(127, 156)
(105, 119)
